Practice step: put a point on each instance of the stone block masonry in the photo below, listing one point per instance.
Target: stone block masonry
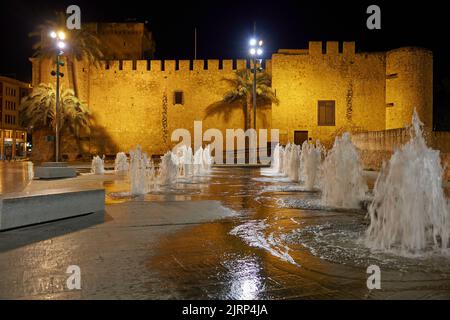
(133, 102)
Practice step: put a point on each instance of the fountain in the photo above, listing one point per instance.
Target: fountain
(121, 164)
(183, 159)
(275, 165)
(341, 181)
(285, 159)
(310, 158)
(207, 159)
(293, 164)
(409, 213)
(138, 172)
(168, 169)
(98, 165)
(202, 161)
(275, 162)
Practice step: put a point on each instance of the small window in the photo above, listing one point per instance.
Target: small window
(389, 105)
(178, 97)
(326, 113)
(392, 76)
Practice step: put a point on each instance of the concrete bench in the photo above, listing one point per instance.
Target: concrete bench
(54, 170)
(23, 209)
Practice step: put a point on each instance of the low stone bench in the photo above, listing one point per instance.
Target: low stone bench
(23, 209)
(54, 170)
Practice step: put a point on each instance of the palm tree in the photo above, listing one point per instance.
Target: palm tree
(241, 95)
(37, 110)
(81, 45)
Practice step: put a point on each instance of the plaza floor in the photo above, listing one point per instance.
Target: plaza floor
(233, 234)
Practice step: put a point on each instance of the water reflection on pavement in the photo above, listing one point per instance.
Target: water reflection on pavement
(271, 247)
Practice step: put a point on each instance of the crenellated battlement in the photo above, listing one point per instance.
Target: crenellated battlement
(209, 65)
(319, 48)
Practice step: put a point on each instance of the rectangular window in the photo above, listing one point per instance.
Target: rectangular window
(178, 97)
(326, 113)
(392, 76)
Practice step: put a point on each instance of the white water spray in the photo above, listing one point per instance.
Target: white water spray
(293, 163)
(142, 173)
(410, 213)
(98, 165)
(310, 158)
(168, 170)
(342, 182)
(202, 161)
(121, 164)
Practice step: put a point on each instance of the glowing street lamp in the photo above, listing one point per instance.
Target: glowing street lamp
(59, 38)
(255, 51)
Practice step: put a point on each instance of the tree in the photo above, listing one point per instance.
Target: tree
(37, 110)
(81, 45)
(241, 95)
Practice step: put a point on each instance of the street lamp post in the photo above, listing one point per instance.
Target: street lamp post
(255, 51)
(60, 45)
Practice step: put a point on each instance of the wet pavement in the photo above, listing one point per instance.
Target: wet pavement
(234, 234)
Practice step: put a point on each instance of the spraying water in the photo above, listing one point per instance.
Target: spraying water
(184, 160)
(293, 163)
(138, 172)
(410, 213)
(275, 162)
(309, 163)
(121, 164)
(207, 159)
(275, 165)
(168, 169)
(98, 165)
(342, 182)
(285, 159)
(281, 160)
(202, 161)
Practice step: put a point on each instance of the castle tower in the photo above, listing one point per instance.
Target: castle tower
(409, 86)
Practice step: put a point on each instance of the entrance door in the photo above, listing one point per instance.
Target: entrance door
(300, 137)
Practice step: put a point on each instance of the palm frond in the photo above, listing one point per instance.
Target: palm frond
(242, 91)
(38, 109)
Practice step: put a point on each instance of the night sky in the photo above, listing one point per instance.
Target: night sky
(224, 28)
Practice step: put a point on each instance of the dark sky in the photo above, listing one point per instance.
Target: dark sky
(224, 28)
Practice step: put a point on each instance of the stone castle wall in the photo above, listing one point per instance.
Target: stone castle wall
(356, 82)
(376, 147)
(409, 83)
(132, 101)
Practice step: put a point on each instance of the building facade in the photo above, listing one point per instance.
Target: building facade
(322, 90)
(13, 137)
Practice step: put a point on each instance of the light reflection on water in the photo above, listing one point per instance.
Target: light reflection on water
(282, 243)
(280, 224)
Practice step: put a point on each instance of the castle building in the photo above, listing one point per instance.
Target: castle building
(322, 91)
(128, 40)
(13, 137)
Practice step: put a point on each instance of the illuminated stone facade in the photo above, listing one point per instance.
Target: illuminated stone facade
(133, 101)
